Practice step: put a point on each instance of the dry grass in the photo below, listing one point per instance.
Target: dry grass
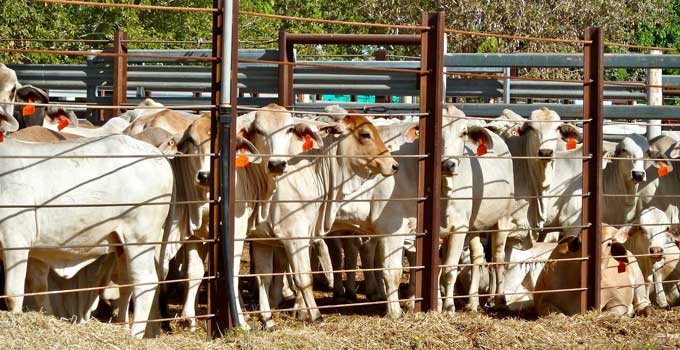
(425, 331)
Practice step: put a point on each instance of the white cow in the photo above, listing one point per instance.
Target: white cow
(662, 191)
(653, 234)
(550, 188)
(315, 179)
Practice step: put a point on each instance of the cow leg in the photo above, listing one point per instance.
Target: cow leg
(335, 248)
(142, 272)
(641, 303)
(321, 249)
(411, 257)
(477, 257)
(498, 241)
(298, 256)
(657, 278)
(374, 290)
(195, 270)
(391, 254)
(37, 283)
(125, 292)
(351, 249)
(263, 257)
(450, 270)
(279, 282)
(15, 263)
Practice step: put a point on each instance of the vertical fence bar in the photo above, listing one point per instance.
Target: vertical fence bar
(654, 96)
(285, 71)
(216, 292)
(593, 101)
(429, 169)
(119, 71)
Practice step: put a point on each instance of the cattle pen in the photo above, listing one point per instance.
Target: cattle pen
(431, 79)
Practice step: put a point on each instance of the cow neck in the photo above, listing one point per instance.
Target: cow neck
(638, 244)
(257, 185)
(615, 183)
(341, 181)
(185, 172)
(536, 182)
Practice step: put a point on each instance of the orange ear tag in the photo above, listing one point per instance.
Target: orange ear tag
(481, 149)
(28, 109)
(622, 267)
(663, 170)
(308, 143)
(63, 122)
(571, 144)
(678, 243)
(242, 160)
(2, 136)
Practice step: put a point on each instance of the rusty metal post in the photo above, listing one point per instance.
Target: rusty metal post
(286, 96)
(222, 144)
(119, 72)
(381, 55)
(593, 101)
(429, 169)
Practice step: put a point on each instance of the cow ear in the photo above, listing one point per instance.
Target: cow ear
(620, 253)
(568, 244)
(62, 117)
(624, 233)
(494, 129)
(480, 136)
(662, 162)
(606, 159)
(569, 131)
(523, 129)
(310, 137)
(675, 152)
(246, 152)
(33, 93)
(412, 133)
(335, 129)
(674, 231)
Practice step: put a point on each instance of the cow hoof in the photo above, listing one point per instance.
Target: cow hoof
(667, 307)
(471, 308)
(646, 312)
(410, 306)
(302, 315)
(318, 320)
(269, 325)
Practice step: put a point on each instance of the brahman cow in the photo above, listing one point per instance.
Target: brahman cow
(622, 292)
(662, 188)
(652, 238)
(305, 203)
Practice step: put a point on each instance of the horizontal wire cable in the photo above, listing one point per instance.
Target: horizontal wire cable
(331, 21)
(517, 37)
(101, 205)
(332, 306)
(108, 54)
(108, 245)
(510, 77)
(330, 200)
(333, 66)
(331, 271)
(331, 236)
(130, 6)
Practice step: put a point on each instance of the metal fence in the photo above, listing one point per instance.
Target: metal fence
(434, 77)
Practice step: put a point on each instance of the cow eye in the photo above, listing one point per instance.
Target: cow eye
(290, 130)
(365, 135)
(464, 134)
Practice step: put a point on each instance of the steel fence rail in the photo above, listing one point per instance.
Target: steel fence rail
(197, 317)
(357, 200)
(511, 77)
(518, 293)
(130, 6)
(334, 66)
(331, 271)
(296, 111)
(107, 287)
(530, 261)
(100, 205)
(330, 236)
(641, 123)
(644, 47)
(108, 245)
(321, 307)
(110, 156)
(515, 197)
(330, 21)
(107, 54)
(94, 106)
(517, 37)
(443, 233)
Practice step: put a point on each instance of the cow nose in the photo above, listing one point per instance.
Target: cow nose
(395, 167)
(203, 177)
(545, 153)
(638, 176)
(277, 166)
(657, 253)
(448, 167)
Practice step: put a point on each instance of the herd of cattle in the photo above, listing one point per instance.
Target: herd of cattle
(85, 206)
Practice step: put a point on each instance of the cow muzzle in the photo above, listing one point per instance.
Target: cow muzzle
(638, 176)
(203, 178)
(545, 153)
(276, 167)
(657, 253)
(448, 168)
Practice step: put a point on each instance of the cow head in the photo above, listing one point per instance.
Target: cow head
(274, 131)
(196, 140)
(359, 139)
(652, 232)
(8, 92)
(456, 131)
(58, 118)
(628, 159)
(543, 130)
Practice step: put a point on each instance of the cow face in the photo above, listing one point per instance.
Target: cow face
(275, 132)
(58, 118)
(8, 91)
(542, 131)
(632, 168)
(359, 139)
(455, 133)
(196, 140)
(652, 232)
